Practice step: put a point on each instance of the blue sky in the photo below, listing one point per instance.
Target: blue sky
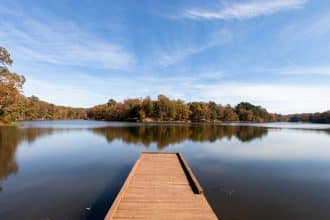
(274, 53)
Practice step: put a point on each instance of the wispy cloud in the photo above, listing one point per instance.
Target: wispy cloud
(61, 57)
(244, 10)
(307, 28)
(180, 52)
(74, 89)
(303, 70)
(62, 94)
(288, 98)
(59, 41)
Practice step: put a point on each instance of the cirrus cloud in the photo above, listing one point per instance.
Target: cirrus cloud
(60, 42)
(244, 10)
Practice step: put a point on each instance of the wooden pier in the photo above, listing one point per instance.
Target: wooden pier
(161, 186)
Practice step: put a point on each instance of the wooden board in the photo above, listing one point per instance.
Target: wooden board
(161, 186)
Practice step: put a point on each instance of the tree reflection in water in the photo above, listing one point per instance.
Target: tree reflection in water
(164, 135)
(10, 138)
(161, 135)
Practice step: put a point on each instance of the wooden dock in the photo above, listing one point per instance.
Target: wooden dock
(161, 186)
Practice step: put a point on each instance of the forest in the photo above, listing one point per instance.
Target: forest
(15, 106)
(166, 109)
(319, 117)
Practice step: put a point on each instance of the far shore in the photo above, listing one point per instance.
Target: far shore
(153, 121)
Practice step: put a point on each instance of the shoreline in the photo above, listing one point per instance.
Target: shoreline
(163, 122)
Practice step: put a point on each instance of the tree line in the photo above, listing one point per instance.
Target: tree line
(15, 106)
(166, 109)
(319, 117)
(35, 109)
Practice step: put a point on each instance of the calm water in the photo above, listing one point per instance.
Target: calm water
(73, 169)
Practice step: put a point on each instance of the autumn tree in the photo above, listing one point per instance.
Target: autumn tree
(14, 105)
(230, 115)
(163, 108)
(182, 111)
(200, 111)
(248, 112)
(10, 90)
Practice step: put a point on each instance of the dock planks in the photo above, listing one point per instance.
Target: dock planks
(161, 186)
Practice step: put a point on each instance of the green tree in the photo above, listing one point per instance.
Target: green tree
(111, 102)
(248, 112)
(213, 110)
(148, 107)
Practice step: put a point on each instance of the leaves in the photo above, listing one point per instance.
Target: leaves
(5, 58)
(14, 106)
(11, 85)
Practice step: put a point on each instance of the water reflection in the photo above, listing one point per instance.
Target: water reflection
(281, 172)
(162, 136)
(10, 138)
(165, 135)
(8, 146)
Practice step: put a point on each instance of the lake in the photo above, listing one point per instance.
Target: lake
(74, 169)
